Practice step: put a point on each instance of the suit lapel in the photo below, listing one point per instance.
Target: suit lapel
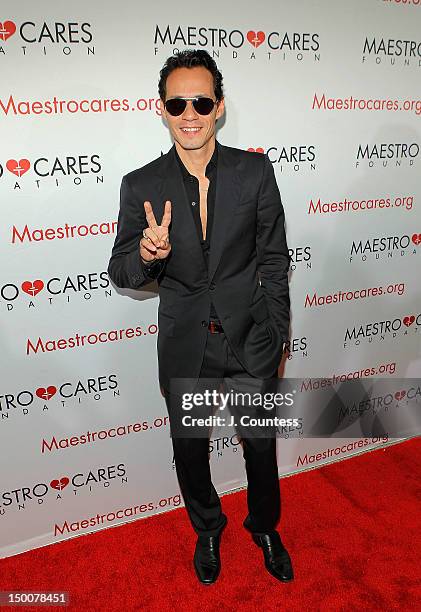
(228, 189)
(227, 196)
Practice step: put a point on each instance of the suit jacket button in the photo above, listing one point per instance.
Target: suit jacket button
(204, 323)
(212, 286)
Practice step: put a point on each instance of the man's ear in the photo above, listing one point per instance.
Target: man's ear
(163, 111)
(221, 105)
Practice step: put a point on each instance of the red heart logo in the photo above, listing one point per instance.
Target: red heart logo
(400, 395)
(47, 393)
(258, 150)
(408, 320)
(60, 484)
(7, 29)
(416, 238)
(32, 287)
(18, 167)
(255, 38)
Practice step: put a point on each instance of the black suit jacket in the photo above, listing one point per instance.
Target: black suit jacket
(248, 262)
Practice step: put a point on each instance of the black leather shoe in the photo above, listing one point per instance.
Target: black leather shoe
(277, 560)
(206, 560)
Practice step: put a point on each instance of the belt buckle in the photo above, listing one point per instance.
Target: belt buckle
(214, 327)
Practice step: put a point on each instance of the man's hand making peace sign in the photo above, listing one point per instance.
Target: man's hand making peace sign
(155, 243)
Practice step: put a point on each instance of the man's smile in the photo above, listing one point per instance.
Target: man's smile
(190, 130)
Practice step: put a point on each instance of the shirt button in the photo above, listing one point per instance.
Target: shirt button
(193, 203)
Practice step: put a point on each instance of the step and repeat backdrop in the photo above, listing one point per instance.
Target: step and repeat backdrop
(330, 91)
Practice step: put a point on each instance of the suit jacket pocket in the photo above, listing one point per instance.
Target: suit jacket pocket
(259, 310)
(166, 324)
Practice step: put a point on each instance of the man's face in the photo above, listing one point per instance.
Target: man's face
(188, 83)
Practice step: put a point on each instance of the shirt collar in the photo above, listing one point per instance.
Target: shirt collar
(212, 162)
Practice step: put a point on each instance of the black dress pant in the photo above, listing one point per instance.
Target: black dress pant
(191, 457)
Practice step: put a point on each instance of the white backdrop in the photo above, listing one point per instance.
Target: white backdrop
(330, 91)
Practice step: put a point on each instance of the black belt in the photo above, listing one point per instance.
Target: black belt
(215, 328)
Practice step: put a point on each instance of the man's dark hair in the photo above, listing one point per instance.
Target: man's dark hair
(190, 58)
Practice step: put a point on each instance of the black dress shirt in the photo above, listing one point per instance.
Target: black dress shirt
(191, 184)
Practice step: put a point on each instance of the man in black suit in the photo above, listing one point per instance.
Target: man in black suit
(206, 220)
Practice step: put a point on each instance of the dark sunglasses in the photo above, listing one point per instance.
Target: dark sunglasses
(177, 106)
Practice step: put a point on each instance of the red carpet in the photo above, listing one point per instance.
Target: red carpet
(352, 529)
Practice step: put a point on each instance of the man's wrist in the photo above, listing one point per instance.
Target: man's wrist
(152, 269)
(148, 263)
